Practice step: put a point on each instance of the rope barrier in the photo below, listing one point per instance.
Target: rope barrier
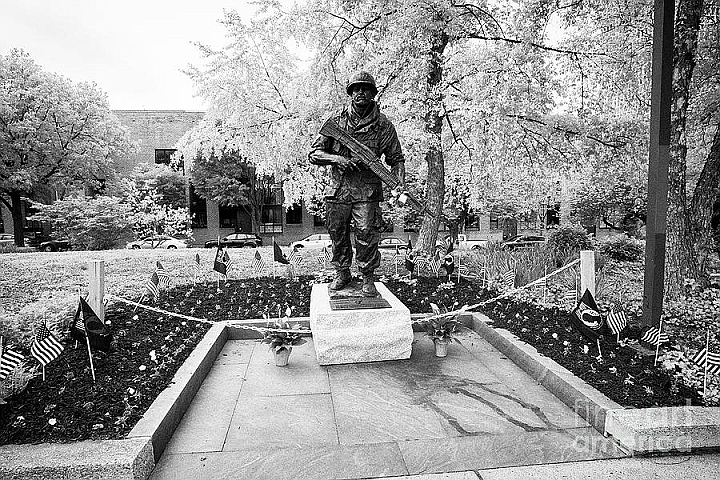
(232, 323)
(235, 324)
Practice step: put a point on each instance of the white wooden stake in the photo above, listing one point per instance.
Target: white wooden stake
(587, 272)
(96, 288)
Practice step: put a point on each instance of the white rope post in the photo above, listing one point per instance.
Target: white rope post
(587, 272)
(657, 347)
(96, 287)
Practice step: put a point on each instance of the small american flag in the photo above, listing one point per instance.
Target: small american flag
(434, 264)
(163, 276)
(295, 258)
(152, 288)
(257, 265)
(508, 279)
(712, 359)
(617, 320)
(464, 270)
(45, 347)
(9, 361)
(570, 297)
(653, 336)
(324, 256)
(228, 262)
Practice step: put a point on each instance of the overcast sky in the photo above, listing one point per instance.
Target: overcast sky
(132, 49)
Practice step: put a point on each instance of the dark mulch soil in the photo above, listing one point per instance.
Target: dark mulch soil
(68, 407)
(111, 407)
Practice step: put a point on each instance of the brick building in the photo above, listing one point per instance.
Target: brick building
(155, 134)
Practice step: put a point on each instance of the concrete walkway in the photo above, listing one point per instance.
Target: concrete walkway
(470, 411)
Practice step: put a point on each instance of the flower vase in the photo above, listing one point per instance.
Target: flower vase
(440, 347)
(282, 355)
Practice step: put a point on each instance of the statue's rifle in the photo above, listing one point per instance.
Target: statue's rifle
(366, 156)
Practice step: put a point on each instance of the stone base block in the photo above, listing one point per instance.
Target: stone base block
(665, 429)
(353, 336)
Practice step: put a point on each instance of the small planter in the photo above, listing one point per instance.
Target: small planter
(282, 355)
(440, 347)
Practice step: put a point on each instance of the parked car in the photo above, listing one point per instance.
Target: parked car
(393, 242)
(55, 245)
(237, 240)
(317, 240)
(466, 243)
(7, 239)
(157, 241)
(522, 241)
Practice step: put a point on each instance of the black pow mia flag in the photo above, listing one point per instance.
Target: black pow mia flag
(586, 317)
(86, 322)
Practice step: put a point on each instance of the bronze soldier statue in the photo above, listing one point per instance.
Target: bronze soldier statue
(356, 192)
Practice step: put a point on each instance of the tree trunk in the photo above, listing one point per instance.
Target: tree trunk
(17, 216)
(705, 194)
(680, 259)
(435, 188)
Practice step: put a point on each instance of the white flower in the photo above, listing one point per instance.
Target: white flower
(52, 422)
(586, 349)
(555, 335)
(135, 317)
(153, 356)
(131, 391)
(183, 323)
(566, 343)
(612, 370)
(142, 368)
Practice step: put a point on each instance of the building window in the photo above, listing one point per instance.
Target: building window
(318, 221)
(198, 209)
(294, 215)
(472, 222)
(228, 217)
(163, 155)
(271, 219)
(494, 222)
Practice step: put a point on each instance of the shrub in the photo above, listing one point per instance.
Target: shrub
(89, 223)
(569, 238)
(622, 249)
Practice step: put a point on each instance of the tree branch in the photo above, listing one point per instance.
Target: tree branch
(567, 131)
(534, 45)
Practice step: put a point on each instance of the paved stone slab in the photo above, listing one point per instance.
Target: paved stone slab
(282, 421)
(585, 400)
(205, 424)
(665, 429)
(665, 468)
(301, 376)
(236, 351)
(430, 397)
(364, 335)
(128, 459)
(311, 463)
(491, 451)
(440, 476)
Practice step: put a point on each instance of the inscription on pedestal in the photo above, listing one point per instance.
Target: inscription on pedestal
(357, 303)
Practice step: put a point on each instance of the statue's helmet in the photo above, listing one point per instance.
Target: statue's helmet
(361, 78)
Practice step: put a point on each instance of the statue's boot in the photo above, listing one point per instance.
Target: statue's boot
(342, 278)
(368, 288)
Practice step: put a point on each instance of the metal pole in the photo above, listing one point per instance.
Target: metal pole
(661, 99)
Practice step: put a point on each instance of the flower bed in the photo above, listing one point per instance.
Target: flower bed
(68, 407)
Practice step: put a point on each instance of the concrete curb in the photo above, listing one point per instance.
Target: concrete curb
(134, 457)
(639, 430)
(583, 399)
(160, 420)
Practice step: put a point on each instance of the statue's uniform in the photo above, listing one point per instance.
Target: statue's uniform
(356, 194)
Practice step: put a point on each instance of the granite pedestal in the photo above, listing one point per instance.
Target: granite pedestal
(365, 335)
